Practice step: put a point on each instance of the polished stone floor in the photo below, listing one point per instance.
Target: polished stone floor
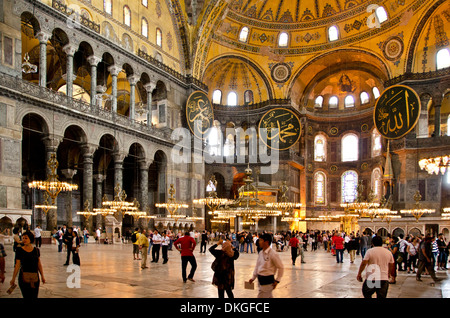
(109, 271)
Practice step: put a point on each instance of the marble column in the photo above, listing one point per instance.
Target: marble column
(43, 38)
(93, 61)
(422, 125)
(143, 189)
(70, 50)
(51, 144)
(99, 178)
(88, 163)
(118, 175)
(68, 174)
(133, 79)
(114, 71)
(149, 87)
(437, 101)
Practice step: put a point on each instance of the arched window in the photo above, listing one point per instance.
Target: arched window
(214, 140)
(381, 14)
(158, 37)
(448, 125)
(126, 16)
(145, 3)
(333, 102)
(318, 102)
(443, 59)
(144, 27)
(333, 33)
(349, 101)
(376, 92)
(377, 183)
(232, 99)
(228, 148)
(248, 97)
(243, 35)
(319, 188)
(217, 97)
(376, 143)
(364, 98)
(107, 6)
(320, 148)
(349, 183)
(283, 39)
(349, 149)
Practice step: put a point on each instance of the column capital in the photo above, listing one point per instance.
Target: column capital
(149, 87)
(69, 173)
(43, 36)
(70, 49)
(94, 60)
(119, 156)
(52, 141)
(144, 164)
(88, 149)
(133, 79)
(114, 70)
(99, 178)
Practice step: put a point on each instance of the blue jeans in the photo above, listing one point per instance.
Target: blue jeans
(340, 259)
(251, 247)
(363, 251)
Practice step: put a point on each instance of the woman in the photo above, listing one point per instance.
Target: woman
(17, 238)
(411, 249)
(75, 248)
(28, 266)
(393, 247)
(223, 267)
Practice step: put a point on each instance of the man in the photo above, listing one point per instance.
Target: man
(2, 263)
(425, 259)
(294, 243)
(68, 241)
(37, 236)
(135, 241)
(97, 235)
(338, 242)
(165, 241)
(380, 265)
(186, 245)
(142, 242)
(402, 251)
(363, 244)
(203, 242)
(267, 266)
(442, 245)
(156, 242)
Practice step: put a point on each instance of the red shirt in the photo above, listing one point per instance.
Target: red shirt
(294, 242)
(338, 241)
(186, 244)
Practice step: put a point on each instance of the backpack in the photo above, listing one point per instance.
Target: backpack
(133, 237)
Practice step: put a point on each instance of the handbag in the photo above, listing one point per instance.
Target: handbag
(30, 278)
(399, 259)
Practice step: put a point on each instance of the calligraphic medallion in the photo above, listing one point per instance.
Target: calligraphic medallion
(283, 128)
(199, 113)
(396, 111)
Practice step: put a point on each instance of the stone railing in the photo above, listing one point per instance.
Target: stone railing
(61, 7)
(418, 76)
(270, 102)
(29, 91)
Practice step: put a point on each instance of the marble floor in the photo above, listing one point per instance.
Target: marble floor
(109, 271)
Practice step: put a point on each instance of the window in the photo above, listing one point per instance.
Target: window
(217, 97)
(248, 97)
(243, 35)
(319, 101)
(443, 59)
(320, 148)
(349, 149)
(158, 37)
(349, 183)
(349, 101)
(333, 33)
(145, 3)
(126, 16)
(448, 125)
(377, 183)
(228, 148)
(376, 143)
(144, 27)
(107, 6)
(333, 102)
(214, 140)
(232, 99)
(376, 92)
(381, 14)
(364, 98)
(319, 188)
(283, 39)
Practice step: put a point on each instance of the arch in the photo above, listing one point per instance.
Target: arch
(415, 232)
(397, 231)
(243, 34)
(383, 232)
(320, 147)
(28, 18)
(320, 188)
(349, 147)
(349, 182)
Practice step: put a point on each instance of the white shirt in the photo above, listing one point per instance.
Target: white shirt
(268, 263)
(165, 240)
(156, 238)
(380, 258)
(37, 232)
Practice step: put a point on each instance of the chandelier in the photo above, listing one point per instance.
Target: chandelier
(86, 213)
(212, 201)
(446, 214)
(435, 165)
(417, 212)
(172, 206)
(360, 207)
(46, 206)
(52, 185)
(141, 109)
(27, 67)
(101, 95)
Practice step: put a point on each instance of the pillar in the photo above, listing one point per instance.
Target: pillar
(133, 79)
(88, 163)
(118, 175)
(114, 71)
(68, 174)
(437, 101)
(149, 87)
(70, 50)
(99, 178)
(143, 189)
(422, 125)
(43, 38)
(93, 61)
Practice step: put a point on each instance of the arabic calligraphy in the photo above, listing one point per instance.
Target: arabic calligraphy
(396, 112)
(199, 113)
(283, 128)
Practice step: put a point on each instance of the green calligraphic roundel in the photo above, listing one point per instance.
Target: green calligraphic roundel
(396, 111)
(280, 128)
(199, 113)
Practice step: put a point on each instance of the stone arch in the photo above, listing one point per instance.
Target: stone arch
(397, 231)
(415, 231)
(383, 232)
(6, 223)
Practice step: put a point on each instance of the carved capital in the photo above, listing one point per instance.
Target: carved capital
(133, 79)
(88, 150)
(114, 70)
(69, 173)
(149, 87)
(94, 60)
(43, 37)
(70, 49)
